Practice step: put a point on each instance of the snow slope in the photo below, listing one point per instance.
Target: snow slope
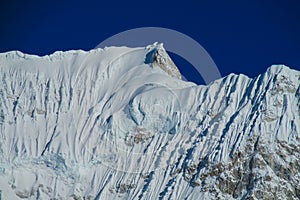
(119, 123)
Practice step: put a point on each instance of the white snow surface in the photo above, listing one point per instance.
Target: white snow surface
(113, 124)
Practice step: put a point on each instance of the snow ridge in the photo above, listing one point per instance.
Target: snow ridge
(120, 123)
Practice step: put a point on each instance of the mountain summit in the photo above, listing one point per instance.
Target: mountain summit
(119, 123)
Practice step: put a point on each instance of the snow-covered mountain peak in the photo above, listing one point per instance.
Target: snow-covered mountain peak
(275, 69)
(153, 55)
(118, 123)
(158, 57)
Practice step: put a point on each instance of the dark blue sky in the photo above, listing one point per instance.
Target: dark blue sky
(241, 36)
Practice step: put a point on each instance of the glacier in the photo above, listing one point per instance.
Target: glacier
(119, 123)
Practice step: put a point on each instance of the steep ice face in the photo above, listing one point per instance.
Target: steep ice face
(119, 123)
